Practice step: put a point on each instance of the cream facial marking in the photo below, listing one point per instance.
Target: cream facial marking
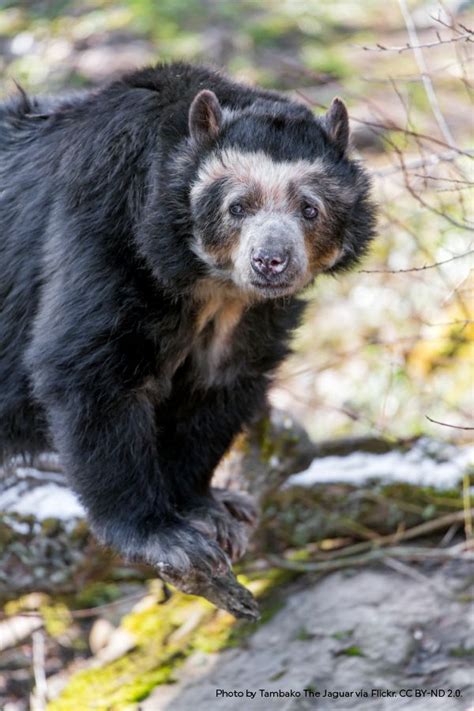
(255, 169)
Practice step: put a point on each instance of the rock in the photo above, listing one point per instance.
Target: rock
(337, 634)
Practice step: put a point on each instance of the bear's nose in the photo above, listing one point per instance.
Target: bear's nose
(270, 262)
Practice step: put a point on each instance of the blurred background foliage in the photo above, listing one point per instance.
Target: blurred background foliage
(378, 351)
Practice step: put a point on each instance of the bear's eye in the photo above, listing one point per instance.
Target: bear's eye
(237, 210)
(309, 211)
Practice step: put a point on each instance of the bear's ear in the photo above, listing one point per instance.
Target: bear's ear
(336, 123)
(205, 116)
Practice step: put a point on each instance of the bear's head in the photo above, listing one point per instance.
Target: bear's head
(275, 198)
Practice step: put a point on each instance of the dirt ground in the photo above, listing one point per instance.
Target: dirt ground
(375, 631)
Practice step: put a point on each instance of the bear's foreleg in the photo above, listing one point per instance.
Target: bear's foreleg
(191, 443)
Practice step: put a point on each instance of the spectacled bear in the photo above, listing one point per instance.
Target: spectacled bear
(154, 235)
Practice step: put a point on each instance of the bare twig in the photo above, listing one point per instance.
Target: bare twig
(423, 529)
(373, 556)
(466, 37)
(446, 424)
(442, 179)
(390, 125)
(437, 18)
(434, 210)
(434, 159)
(466, 29)
(453, 290)
(416, 269)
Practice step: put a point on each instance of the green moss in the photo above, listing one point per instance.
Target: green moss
(462, 652)
(162, 644)
(57, 618)
(50, 527)
(117, 685)
(352, 651)
(130, 679)
(159, 621)
(214, 635)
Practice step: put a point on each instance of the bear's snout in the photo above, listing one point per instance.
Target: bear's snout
(269, 261)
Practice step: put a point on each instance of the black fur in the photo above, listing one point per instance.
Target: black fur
(96, 283)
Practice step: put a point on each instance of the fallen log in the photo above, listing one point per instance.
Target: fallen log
(342, 488)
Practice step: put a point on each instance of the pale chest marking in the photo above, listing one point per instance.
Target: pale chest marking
(218, 313)
(218, 316)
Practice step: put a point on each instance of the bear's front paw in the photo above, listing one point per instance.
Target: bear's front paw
(241, 506)
(182, 549)
(186, 553)
(214, 521)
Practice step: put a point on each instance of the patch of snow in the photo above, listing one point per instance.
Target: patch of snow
(18, 526)
(47, 501)
(417, 466)
(32, 473)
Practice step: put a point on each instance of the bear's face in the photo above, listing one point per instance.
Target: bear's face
(263, 220)
(265, 225)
